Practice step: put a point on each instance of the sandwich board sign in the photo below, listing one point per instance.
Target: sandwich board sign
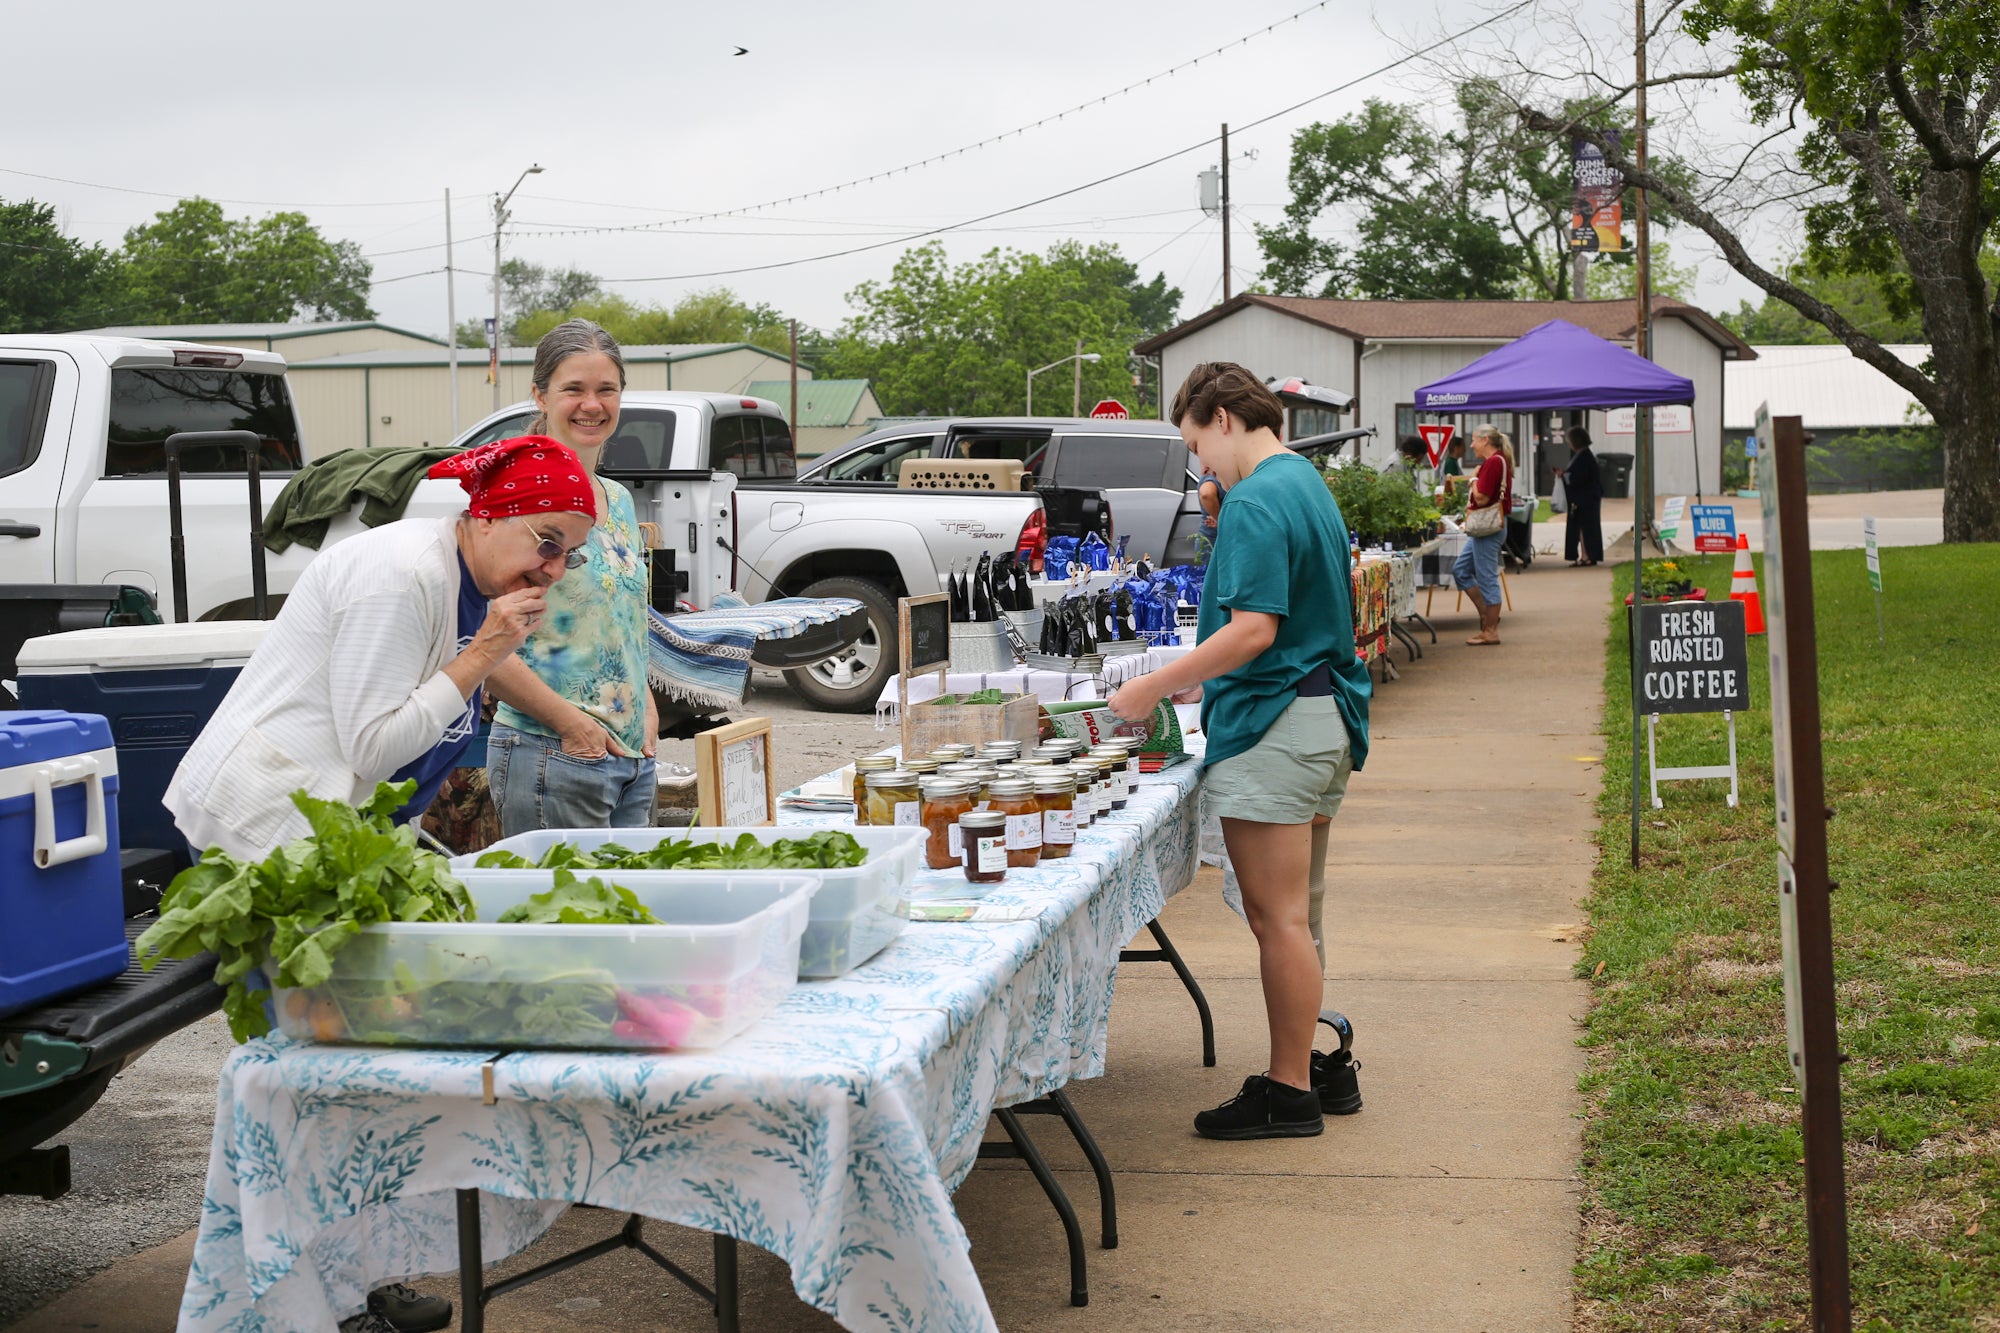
(1714, 528)
(1670, 517)
(1693, 658)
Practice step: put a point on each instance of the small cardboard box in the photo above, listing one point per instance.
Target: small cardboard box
(931, 724)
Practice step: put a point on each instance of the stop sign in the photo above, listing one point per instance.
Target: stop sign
(1111, 409)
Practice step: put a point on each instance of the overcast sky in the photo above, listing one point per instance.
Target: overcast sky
(362, 114)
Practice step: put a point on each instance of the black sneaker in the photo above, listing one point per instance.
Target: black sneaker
(1263, 1110)
(405, 1310)
(1333, 1074)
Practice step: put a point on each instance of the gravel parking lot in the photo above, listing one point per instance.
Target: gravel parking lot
(138, 1159)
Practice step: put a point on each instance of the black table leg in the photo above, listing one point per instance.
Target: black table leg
(727, 1311)
(1079, 1282)
(1168, 954)
(471, 1266)
(1107, 1202)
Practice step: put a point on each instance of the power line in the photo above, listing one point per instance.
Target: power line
(249, 203)
(1101, 180)
(936, 157)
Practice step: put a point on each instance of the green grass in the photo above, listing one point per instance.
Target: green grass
(1692, 1204)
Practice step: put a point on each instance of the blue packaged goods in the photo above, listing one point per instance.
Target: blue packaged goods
(158, 685)
(1093, 552)
(1056, 559)
(62, 903)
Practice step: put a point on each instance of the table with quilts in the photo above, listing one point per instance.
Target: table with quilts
(832, 1133)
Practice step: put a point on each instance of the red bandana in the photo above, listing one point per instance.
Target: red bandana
(532, 474)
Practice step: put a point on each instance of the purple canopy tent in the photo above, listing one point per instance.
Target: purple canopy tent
(1555, 366)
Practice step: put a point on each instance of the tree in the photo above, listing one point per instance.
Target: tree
(192, 264)
(940, 339)
(1858, 296)
(48, 281)
(1614, 276)
(716, 315)
(1897, 99)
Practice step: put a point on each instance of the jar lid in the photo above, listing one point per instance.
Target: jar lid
(922, 765)
(950, 754)
(875, 763)
(1000, 747)
(1054, 783)
(1053, 754)
(1109, 751)
(941, 788)
(1001, 788)
(892, 777)
(1069, 743)
(982, 821)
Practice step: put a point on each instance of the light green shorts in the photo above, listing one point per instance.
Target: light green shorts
(1298, 770)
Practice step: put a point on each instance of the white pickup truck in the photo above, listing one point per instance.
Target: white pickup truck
(83, 501)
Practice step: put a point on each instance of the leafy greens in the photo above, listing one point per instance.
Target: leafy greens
(828, 850)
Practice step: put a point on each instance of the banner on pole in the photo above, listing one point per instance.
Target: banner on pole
(1596, 220)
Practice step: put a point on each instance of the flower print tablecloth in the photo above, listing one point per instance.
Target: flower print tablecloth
(831, 1134)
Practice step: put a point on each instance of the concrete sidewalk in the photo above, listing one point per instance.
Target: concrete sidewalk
(1447, 1204)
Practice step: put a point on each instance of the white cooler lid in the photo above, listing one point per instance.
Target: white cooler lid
(140, 647)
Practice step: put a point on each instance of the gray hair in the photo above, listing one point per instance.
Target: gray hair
(567, 339)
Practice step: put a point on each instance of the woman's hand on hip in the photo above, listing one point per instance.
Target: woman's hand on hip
(586, 738)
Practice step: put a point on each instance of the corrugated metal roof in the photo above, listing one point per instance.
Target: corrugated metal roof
(821, 402)
(1454, 320)
(273, 330)
(1826, 385)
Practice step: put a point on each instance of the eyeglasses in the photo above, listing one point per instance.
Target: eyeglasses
(548, 548)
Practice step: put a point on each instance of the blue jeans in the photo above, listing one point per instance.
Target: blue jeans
(536, 786)
(1478, 565)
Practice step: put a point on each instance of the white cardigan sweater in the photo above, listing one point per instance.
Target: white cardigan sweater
(345, 690)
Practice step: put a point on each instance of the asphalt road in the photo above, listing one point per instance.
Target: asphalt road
(139, 1158)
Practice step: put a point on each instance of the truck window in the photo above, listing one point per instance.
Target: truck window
(24, 399)
(506, 428)
(736, 444)
(877, 461)
(1030, 450)
(148, 405)
(644, 443)
(781, 459)
(1111, 461)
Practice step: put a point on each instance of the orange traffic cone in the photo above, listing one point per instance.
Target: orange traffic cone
(1743, 587)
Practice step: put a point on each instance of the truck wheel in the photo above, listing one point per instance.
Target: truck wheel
(851, 680)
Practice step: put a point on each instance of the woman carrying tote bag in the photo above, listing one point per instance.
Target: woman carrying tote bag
(1477, 570)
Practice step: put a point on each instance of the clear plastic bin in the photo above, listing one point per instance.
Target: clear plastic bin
(856, 911)
(729, 956)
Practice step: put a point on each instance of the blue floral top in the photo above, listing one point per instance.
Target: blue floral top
(591, 646)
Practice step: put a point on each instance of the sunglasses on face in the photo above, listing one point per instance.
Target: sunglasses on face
(548, 548)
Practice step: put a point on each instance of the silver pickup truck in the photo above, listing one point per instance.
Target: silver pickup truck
(814, 534)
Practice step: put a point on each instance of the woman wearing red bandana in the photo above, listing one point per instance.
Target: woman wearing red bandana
(373, 669)
(573, 740)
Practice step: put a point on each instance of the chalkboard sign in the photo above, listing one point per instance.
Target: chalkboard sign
(926, 634)
(735, 782)
(1693, 658)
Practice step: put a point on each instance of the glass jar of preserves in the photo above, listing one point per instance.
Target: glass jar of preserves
(1014, 798)
(1092, 800)
(985, 838)
(866, 764)
(1051, 754)
(1001, 752)
(1055, 795)
(892, 798)
(1121, 773)
(923, 768)
(941, 802)
(976, 773)
(951, 754)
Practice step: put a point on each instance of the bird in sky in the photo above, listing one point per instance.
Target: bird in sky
(741, 51)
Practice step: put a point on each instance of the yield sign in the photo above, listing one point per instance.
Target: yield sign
(1110, 409)
(1435, 440)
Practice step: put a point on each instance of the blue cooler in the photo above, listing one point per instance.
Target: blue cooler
(62, 900)
(158, 685)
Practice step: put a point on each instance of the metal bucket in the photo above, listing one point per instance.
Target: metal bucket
(1028, 624)
(980, 647)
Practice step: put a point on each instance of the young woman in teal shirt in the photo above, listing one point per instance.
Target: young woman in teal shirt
(1285, 713)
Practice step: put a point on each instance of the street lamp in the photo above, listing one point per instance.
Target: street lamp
(1079, 357)
(500, 216)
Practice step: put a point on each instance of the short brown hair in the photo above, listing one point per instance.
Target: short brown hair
(1224, 386)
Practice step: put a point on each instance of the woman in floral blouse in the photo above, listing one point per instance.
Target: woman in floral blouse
(573, 741)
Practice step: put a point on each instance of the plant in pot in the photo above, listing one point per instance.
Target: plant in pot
(1660, 580)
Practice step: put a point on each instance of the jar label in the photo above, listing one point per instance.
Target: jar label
(991, 853)
(1024, 832)
(955, 836)
(1058, 826)
(906, 814)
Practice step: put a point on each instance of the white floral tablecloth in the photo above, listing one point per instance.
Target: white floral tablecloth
(831, 1134)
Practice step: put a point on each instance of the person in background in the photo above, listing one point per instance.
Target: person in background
(1210, 497)
(1454, 459)
(372, 672)
(1411, 457)
(1284, 706)
(1477, 570)
(1583, 489)
(572, 743)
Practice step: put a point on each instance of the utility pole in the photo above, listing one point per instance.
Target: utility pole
(451, 314)
(1642, 424)
(1579, 279)
(1225, 212)
(500, 216)
(793, 420)
(1076, 394)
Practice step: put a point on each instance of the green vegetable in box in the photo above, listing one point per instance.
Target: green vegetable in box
(828, 850)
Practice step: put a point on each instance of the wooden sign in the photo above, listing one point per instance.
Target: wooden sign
(735, 779)
(1693, 658)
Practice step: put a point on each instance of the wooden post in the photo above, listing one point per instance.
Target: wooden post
(1225, 210)
(793, 420)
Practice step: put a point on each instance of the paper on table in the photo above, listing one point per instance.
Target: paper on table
(946, 911)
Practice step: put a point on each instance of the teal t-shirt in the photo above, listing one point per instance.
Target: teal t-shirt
(1282, 550)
